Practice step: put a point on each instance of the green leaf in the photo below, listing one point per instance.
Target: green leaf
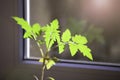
(51, 43)
(51, 33)
(86, 51)
(41, 60)
(50, 64)
(27, 35)
(24, 24)
(51, 78)
(54, 24)
(79, 39)
(47, 35)
(73, 48)
(61, 47)
(66, 35)
(36, 28)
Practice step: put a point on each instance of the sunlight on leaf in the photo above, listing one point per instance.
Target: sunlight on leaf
(73, 49)
(66, 35)
(41, 60)
(86, 51)
(61, 47)
(51, 78)
(27, 35)
(54, 24)
(36, 28)
(79, 39)
(51, 33)
(47, 35)
(24, 24)
(50, 64)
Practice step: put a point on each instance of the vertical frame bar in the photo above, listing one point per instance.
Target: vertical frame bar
(27, 17)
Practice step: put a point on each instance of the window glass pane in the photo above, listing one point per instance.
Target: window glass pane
(98, 20)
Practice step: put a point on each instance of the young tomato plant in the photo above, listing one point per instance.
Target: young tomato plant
(50, 34)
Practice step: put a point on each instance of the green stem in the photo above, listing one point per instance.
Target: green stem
(42, 54)
(45, 58)
(43, 64)
(43, 70)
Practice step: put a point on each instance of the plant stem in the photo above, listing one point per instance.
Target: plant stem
(42, 54)
(43, 70)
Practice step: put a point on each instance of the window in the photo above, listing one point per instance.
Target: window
(98, 20)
